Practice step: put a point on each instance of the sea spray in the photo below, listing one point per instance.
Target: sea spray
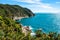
(30, 27)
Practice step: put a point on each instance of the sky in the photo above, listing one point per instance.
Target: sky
(36, 6)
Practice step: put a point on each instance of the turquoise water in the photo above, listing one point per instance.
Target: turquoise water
(46, 22)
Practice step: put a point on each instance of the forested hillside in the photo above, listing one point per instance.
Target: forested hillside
(12, 30)
(14, 10)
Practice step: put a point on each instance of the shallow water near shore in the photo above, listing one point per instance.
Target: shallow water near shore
(47, 22)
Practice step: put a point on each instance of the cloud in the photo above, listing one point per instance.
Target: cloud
(27, 1)
(43, 8)
(38, 6)
(57, 2)
(36, 2)
(46, 6)
(45, 11)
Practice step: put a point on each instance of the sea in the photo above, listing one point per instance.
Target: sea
(47, 22)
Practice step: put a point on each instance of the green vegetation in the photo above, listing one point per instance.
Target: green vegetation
(14, 10)
(12, 30)
(9, 29)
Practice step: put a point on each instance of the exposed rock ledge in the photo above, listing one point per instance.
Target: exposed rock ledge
(18, 18)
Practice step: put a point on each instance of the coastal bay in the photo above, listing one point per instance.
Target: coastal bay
(46, 22)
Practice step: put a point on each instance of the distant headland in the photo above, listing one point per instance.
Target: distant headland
(13, 11)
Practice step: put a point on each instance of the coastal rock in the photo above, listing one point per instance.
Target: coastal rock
(26, 30)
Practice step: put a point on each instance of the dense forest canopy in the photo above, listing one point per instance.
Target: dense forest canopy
(14, 10)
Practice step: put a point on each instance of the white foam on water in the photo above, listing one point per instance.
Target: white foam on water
(40, 28)
(32, 34)
(30, 28)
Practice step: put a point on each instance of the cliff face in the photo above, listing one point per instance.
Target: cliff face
(14, 10)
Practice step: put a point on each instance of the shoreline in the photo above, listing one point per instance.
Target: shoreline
(19, 18)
